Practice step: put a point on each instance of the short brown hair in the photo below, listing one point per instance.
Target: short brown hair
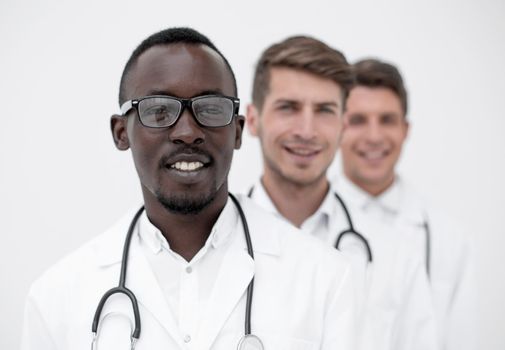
(375, 73)
(305, 54)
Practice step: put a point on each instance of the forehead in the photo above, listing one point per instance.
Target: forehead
(181, 70)
(373, 99)
(293, 84)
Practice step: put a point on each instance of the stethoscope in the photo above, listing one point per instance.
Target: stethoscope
(349, 231)
(427, 233)
(248, 341)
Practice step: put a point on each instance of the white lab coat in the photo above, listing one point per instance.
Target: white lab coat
(396, 307)
(451, 269)
(303, 294)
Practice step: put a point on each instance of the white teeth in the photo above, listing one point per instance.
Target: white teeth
(301, 151)
(187, 166)
(373, 155)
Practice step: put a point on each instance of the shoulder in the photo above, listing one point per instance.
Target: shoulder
(68, 271)
(293, 245)
(440, 222)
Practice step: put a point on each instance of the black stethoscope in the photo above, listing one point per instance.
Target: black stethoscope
(427, 233)
(248, 341)
(349, 231)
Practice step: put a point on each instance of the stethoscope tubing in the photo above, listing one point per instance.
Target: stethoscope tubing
(350, 230)
(427, 233)
(121, 288)
(250, 287)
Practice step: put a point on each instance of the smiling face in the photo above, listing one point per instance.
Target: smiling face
(184, 166)
(372, 142)
(299, 126)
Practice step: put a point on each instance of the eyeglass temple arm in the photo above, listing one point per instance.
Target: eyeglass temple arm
(125, 107)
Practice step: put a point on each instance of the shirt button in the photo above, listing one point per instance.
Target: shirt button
(187, 338)
(189, 269)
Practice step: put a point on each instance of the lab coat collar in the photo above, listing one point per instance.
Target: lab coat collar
(352, 193)
(261, 197)
(397, 200)
(263, 227)
(265, 236)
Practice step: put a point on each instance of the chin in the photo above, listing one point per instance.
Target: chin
(185, 202)
(303, 179)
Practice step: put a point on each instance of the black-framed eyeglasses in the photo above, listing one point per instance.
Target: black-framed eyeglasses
(160, 111)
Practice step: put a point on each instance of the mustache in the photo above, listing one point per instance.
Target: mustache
(186, 150)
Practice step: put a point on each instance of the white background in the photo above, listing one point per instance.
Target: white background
(62, 181)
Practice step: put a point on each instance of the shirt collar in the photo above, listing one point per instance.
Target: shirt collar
(219, 234)
(351, 192)
(327, 207)
(266, 233)
(390, 199)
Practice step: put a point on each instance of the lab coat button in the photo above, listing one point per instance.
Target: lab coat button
(187, 338)
(189, 269)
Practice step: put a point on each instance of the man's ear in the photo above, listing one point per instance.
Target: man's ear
(252, 119)
(119, 132)
(239, 125)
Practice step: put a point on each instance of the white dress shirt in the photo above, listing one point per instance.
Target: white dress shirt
(397, 310)
(446, 253)
(186, 285)
(303, 291)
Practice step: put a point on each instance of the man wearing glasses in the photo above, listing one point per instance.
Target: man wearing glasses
(188, 279)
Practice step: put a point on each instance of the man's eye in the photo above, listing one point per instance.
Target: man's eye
(327, 111)
(156, 110)
(356, 120)
(209, 110)
(286, 107)
(389, 119)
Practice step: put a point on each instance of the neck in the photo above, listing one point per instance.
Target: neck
(185, 233)
(295, 202)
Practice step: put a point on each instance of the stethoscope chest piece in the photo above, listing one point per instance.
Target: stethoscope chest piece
(250, 342)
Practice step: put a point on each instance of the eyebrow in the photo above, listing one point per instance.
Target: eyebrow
(327, 103)
(318, 104)
(168, 93)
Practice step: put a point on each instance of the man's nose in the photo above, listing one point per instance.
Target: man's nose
(305, 126)
(374, 132)
(186, 129)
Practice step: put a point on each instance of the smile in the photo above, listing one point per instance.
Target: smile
(302, 151)
(373, 155)
(187, 166)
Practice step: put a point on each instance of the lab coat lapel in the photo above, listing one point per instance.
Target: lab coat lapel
(236, 272)
(143, 283)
